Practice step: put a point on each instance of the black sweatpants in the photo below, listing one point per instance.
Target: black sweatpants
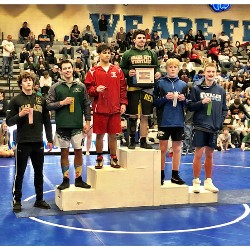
(35, 151)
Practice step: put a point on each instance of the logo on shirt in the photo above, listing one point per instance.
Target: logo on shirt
(77, 90)
(213, 97)
(113, 74)
(38, 100)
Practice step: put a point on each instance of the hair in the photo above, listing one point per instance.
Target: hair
(25, 75)
(210, 65)
(102, 48)
(237, 101)
(173, 61)
(2, 92)
(138, 32)
(65, 61)
(2, 134)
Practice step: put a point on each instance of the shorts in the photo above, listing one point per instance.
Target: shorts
(176, 133)
(65, 136)
(139, 102)
(105, 123)
(202, 139)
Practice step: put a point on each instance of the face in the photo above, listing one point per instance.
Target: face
(27, 84)
(140, 41)
(105, 56)
(67, 70)
(210, 73)
(9, 38)
(4, 127)
(172, 70)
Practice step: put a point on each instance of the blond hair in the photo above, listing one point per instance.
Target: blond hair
(173, 61)
(209, 64)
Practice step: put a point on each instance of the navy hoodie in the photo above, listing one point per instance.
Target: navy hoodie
(210, 123)
(167, 115)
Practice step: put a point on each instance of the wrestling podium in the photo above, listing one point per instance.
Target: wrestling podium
(135, 184)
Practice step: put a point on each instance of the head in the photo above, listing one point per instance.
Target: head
(104, 52)
(4, 127)
(87, 27)
(139, 38)
(43, 31)
(9, 38)
(26, 81)
(172, 67)
(66, 68)
(55, 68)
(210, 72)
(48, 27)
(25, 24)
(2, 94)
(225, 131)
(84, 43)
(48, 47)
(237, 102)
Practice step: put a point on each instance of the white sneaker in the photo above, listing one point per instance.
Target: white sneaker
(87, 153)
(208, 185)
(196, 185)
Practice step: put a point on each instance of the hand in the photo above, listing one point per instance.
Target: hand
(66, 101)
(131, 72)
(50, 145)
(123, 108)
(206, 100)
(157, 75)
(170, 95)
(100, 88)
(181, 97)
(23, 112)
(86, 128)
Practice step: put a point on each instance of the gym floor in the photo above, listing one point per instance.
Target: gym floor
(225, 223)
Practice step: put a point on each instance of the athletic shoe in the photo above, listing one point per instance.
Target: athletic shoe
(184, 152)
(65, 184)
(162, 177)
(145, 145)
(114, 162)
(208, 185)
(131, 145)
(80, 183)
(196, 185)
(17, 207)
(177, 180)
(42, 205)
(99, 162)
(87, 153)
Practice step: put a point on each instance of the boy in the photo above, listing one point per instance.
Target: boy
(107, 86)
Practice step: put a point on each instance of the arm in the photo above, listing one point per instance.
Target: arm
(123, 92)
(159, 97)
(90, 83)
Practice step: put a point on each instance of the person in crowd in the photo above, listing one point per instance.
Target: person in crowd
(85, 55)
(31, 41)
(28, 111)
(208, 102)
(213, 42)
(107, 86)
(223, 38)
(245, 145)
(51, 34)
(139, 55)
(36, 52)
(129, 38)
(200, 41)
(169, 100)
(42, 65)
(88, 35)
(55, 74)
(30, 64)
(75, 38)
(70, 101)
(24, 33)
(5, 149)
(237, 106)
(45, 83)
(8, 53)
(224, 140)
(66, 50)
(24, 55)
(3, 104)
(43, 40)
(79, 68)
(49, 55)
(103, 29)
(121, 40)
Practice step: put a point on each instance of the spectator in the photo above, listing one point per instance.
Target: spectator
(200, 42)
(224, 140)
(5, 148)
(223, 38)
(129, 38)
(103, 29)
(54, 74)
(79, 68)
(66, 50)
(50, 34)
(3, 104)
(169, 46)
(36, 52)
(213, 42)
(31, 41)
(49, 55)
(88, 35)
(43, 40)
(24, 55)
(85, 55)
(236, 107)
(121, 39)
(198, 78)
(75, 39)
(24, 33)
(30, 64)
(45, 83)
(8, 53)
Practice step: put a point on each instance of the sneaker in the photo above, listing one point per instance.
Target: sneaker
(184, 152)
(99, 162)
(177, 180)
(114, 162)
(17, 207)
(162, 177)
(145, 145)
(87, 153)
(42, 205)
(208, 185)
(80, 183)
(131, 145)
(65, 184)
(196, 185)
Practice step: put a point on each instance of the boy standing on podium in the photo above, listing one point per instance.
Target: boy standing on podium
(208, 102)
(169, 100)
(106, 84)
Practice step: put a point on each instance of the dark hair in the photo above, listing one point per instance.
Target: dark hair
(138, 32)
(25, 75)
(102, 47)
(65, 61)
(2, 92)
(237, 101)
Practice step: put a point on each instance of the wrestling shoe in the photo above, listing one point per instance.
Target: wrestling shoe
(42, 204)
(208, 185)
(65, 184)
(114, 162)
(99, 162)
(80, 183)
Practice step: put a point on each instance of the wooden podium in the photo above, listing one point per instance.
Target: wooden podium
(135, 184)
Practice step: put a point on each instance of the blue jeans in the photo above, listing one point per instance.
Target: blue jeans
(7, 60)
(104, 36)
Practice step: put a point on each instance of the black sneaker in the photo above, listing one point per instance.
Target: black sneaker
(145, 145)
(177, 180)
(65, 184)
(131, 144)
(80, 183)
(42, 205)
(162, 177)
(17, 207)
(184, 152)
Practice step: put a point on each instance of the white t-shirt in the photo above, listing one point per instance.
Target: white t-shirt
(10, 47)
